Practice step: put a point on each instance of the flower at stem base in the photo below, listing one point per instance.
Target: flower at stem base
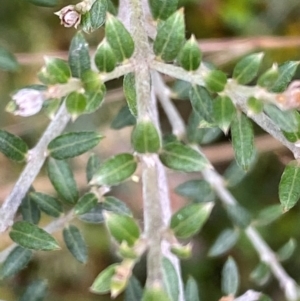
(26, 102)
(69, 16)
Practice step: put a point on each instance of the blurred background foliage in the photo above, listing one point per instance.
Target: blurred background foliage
(30, 31)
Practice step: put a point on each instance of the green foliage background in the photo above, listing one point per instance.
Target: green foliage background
(25, 29)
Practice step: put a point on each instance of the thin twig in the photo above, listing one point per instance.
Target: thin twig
(31, 170)
(266, 254)
(37, 156)
(239, 95)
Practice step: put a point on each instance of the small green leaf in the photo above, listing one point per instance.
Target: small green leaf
(155, 294)
(287, 250)
(223, 112)
(190, 55)
(119, 38)
(92, 165)
(115, 205)
(268, 215)
(182, 157)
(62, 179)
(247, 68)
(15, 262)
(261, 274)
(101, 284)
(47, 203)
(105, 58)
(254, 105)
(171, 282)
(202, 103)
(122, 227)
(12, 146)
(293, 137)
(181, 90)
(182, 251)
(170, 37)
(75, 243)
(94, 99)
(94, 216)
(73, 144)
(215, 81)
(124, 118)
(79, 58)
(269, 78)
(286, 72)
(198, 135)
(134, 291)
(145, 137)
(286, 120)
(55, 71)
(32, 237)
(191, 292)
(51, 106)
(91, 81)
(46, 3)
(30, 211)
(239, 215)
(130, 93)
(162, 9)
(196, 190)
(87, 202)
(8, 61)
(224, 242)
(95, 17)
(234, 174)
(230, 278)
(289, 186)
(75, 104)
(190, 219)
(242, 141)
(36, 291)
(115, 170)
(111, 8)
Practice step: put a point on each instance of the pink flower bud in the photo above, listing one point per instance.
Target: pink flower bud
(69, 16)
(28, 102)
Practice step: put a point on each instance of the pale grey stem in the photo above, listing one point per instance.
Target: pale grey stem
(117, 72)
(239, 95)
(290, 287)
(123, 14)
(157, 210)
(36, 160)
(163, 93)
(52, 227)
(266, 254)
(153, 219)
(249, 296)
(195, 77)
